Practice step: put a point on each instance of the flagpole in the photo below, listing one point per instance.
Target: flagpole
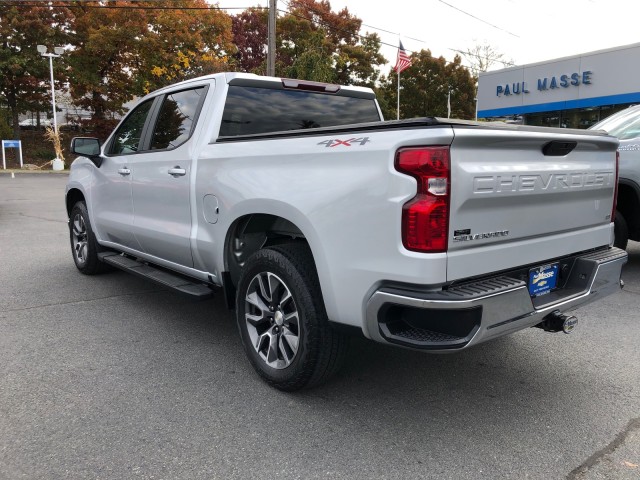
(402, 62)
(398, 110)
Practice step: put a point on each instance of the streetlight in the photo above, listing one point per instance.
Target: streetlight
(58, 164)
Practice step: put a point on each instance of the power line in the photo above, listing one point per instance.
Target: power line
(477, 18)
(470, 54)
(133, 6)
(330, 27)
(380, 29)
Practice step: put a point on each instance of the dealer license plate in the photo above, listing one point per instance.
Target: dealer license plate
(542, 279)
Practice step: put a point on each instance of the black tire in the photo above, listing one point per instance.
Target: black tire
(320, 350)
(84, 247)
(620, 231)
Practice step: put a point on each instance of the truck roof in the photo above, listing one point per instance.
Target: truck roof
(227, 77)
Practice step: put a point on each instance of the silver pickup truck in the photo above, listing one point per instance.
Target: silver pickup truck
(625, 125)
(316, 218)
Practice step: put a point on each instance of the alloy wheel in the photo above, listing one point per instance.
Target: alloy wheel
(272, 320)
(79, 239)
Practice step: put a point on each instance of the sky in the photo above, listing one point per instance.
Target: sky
(524, 31)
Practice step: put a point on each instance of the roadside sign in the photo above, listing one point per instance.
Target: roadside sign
(11, 144)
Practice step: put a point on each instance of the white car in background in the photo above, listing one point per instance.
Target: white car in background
(32, 123)
(626, 126)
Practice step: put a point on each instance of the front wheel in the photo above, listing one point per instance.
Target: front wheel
(84, 246)
(282, 320)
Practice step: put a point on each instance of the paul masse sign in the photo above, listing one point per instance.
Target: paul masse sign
(605, 77)
(546, 83)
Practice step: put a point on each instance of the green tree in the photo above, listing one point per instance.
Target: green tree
(24, 74)
(326, 45)
(6, 132)
(425, 87)
(313, 43)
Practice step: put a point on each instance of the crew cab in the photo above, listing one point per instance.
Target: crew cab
(315, 218)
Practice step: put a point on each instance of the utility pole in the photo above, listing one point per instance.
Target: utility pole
(271, 45)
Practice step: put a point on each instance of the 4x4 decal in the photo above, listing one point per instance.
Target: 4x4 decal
(346, 143)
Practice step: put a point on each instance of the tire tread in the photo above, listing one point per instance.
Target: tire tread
(93, 265)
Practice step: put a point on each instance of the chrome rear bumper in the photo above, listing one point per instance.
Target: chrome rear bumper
(480, 310)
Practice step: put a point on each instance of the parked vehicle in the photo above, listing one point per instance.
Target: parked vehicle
(626, 126)
(32, 123)
(317, 218)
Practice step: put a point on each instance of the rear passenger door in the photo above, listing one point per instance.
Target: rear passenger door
(162, 177)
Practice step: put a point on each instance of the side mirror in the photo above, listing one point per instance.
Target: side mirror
(87, 147)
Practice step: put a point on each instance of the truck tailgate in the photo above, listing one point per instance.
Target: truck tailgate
(517, 198)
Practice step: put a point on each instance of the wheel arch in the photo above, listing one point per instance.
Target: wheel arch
(629, 206)
(73, 196)
(258, 230)
(251, 232)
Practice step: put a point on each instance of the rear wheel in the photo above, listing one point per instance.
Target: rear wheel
(282, 320)
(84, 246)
(620, 231)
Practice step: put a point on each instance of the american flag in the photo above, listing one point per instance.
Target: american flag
(403, 61)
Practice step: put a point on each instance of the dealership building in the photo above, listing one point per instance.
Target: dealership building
(571, 92)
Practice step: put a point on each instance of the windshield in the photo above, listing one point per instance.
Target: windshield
(624, 124)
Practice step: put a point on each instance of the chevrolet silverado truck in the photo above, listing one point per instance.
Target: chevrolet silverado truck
(625, 125)
(316, 219)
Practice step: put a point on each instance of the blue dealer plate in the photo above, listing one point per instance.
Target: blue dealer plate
(542, 279)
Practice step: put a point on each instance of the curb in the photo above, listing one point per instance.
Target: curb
(14, 171)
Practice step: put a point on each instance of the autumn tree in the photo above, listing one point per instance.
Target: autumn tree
(105, 61)
(313, 43)
(425, 87)
(24, 74)
(249, 30)
(185, 43)
(124, 49)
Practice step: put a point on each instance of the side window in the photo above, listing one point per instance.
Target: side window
(176, 119)
(127, 137)
(631, 129)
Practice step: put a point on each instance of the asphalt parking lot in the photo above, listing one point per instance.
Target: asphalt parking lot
(111, 377)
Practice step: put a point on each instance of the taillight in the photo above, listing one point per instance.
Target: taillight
(615, 189)
(425, 218)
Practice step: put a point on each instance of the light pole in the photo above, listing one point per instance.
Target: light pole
(58, 164)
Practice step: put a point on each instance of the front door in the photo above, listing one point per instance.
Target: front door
(111, 196)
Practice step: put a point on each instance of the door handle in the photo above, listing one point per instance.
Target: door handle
(177, 171)
(124, 171)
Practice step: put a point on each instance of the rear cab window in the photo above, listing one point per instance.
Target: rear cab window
(257, 109)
